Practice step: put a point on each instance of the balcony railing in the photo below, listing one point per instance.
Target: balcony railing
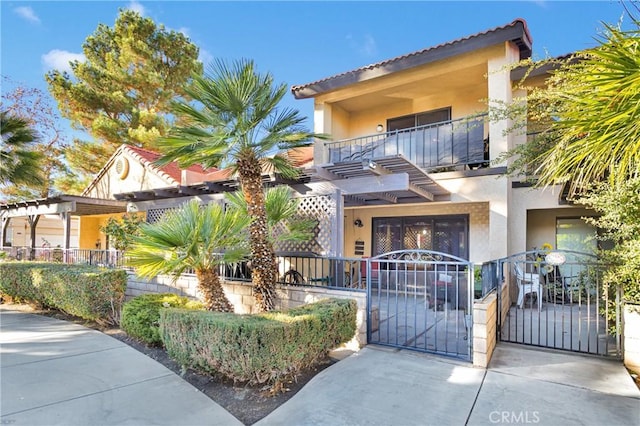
(447, 144)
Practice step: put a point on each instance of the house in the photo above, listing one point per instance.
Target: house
(413, 166)
(418, 162)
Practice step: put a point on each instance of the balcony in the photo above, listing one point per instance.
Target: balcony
(448, 145)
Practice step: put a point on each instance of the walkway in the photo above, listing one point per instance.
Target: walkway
(58, 373)
(380, 386)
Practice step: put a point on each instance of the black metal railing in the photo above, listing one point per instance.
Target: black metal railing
(431, 147)
(105, 258)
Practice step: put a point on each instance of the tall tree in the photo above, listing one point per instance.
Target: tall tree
(590, 110)
(236, 123)
(193, 237)
(35, 107)
(121, 93)
(19, 163)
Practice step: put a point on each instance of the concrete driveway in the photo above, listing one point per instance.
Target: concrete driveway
(381, 386)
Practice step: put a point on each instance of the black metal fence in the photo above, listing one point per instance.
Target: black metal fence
(433, 146)
(104, 258)
(421, 300)
(558, 301)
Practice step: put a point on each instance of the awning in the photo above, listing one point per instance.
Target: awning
(387, 180)
(73, 204)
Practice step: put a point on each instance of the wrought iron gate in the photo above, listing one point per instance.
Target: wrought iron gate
(420, 300)
(556, 299)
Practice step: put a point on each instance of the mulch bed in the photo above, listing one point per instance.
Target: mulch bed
(247, 403)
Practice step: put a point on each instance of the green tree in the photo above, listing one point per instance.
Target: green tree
(236, 123)
(193, 237)
(19, 162)
(35, 107)
(283, 219)
(121, 93)
(121, 231)
(588, 110)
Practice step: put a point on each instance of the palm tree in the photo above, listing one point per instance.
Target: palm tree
(283, 221)
(194, 237)
(240, 126)
(19, 164)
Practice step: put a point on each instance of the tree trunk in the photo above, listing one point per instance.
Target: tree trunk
(212, 292)
(263, 258)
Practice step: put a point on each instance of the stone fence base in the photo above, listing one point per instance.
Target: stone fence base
(240, 294)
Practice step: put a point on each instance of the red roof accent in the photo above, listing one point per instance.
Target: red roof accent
(172, 169)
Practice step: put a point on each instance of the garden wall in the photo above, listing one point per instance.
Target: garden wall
(241, 296)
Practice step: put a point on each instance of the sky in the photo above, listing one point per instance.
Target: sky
(298, 42)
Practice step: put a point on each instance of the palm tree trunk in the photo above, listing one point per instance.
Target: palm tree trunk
(263, 258)
(212, 292)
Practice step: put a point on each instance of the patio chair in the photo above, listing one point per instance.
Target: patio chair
(528, 284)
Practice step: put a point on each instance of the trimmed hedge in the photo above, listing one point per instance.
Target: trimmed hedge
(258, 349)
(141, 315)
(87, 292)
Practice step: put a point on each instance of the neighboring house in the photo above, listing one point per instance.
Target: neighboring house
(416, 158)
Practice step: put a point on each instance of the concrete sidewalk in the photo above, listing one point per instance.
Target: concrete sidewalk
(380, 386)
(58, 373)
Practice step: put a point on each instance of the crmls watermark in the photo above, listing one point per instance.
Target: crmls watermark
(514, 417)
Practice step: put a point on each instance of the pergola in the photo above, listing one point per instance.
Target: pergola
(64, 206)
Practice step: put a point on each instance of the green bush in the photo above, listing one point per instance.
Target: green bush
(258, 349)
(87, 292)
(141, 315)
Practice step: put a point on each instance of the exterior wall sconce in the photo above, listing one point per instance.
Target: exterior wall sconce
(358, 223)
(379, 128)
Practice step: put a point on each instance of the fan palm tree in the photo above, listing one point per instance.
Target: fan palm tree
(238, 125)
(194, 237)
(282, 215)
(19, 164)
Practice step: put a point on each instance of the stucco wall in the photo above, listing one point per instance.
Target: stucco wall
(49, 227)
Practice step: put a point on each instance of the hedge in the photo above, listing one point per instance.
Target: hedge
(141, 315)
(258, 349)
(87, 292)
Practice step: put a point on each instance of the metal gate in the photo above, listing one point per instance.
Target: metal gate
(555, 299)
(420, 300)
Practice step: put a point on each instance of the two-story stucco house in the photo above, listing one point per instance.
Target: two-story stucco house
(416, 158)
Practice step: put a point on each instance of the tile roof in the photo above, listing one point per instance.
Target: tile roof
(172, 169)
(520, 36)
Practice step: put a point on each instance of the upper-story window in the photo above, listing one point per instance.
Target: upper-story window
(420, 119)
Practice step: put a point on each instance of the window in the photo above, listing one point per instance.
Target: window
(576, 235)
(421, 119)
(447, 234)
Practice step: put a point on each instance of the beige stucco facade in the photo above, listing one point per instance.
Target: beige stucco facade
(503, 218)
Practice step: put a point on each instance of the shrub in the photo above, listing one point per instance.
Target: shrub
(258, 349)
(141, 315)
(87, 292)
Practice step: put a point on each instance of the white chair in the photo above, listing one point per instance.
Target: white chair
(528, 284)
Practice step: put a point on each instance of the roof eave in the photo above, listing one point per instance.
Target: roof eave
(517, 32)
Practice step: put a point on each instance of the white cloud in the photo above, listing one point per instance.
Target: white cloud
(27, 13)
(136, 7)
(59, 60)
(365, 47)
(205, 57)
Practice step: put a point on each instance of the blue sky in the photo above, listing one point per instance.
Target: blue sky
(298, 42)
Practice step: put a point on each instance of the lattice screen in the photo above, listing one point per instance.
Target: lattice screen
(322, 208)
(155, 215)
